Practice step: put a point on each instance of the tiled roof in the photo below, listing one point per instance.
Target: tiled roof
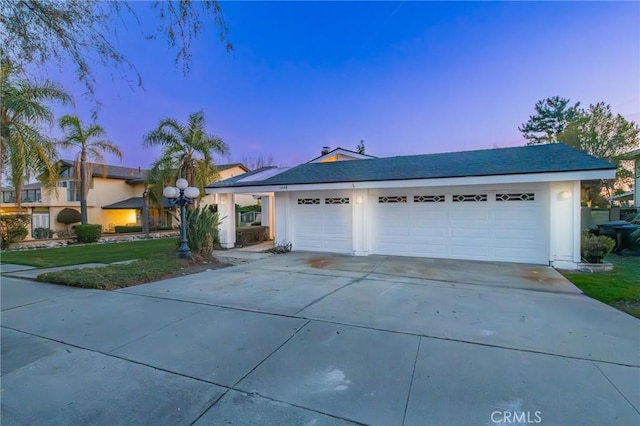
(488, 162)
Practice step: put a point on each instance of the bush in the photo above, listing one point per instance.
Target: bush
(89, 233)
(13, 228)
(595, 248)
(64, 233)
(202, 230)
(251, 235)
(42, 233)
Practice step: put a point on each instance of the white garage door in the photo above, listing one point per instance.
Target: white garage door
(322, 221)
(503, 224)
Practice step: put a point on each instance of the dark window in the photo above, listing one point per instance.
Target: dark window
(428, 199)
(392, 199)
(336, 200)
(469, 197)
(306, 201)
(516, 197)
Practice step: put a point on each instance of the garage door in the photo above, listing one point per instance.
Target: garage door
(503, 224)
(322, 221)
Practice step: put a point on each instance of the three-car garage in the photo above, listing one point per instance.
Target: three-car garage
(495, 223)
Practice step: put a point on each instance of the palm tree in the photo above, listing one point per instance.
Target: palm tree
(187, 152)
(92, 147)
(23, 112)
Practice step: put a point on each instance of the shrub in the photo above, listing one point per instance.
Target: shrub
(251, 235)
(595, 248)
(64, 233)
(202, 230)
(42, 233)
(13, 228)
(89, 233)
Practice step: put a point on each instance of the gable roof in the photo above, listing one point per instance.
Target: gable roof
(343, 151)
(631, 155)
(488, 162)
(112, 172)
(257, 175)
(133, 174)
(222, 167)
(134, 203)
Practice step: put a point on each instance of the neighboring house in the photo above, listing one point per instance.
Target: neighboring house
(635, 157)
(511, 204)
(114, 197)
(339, 154)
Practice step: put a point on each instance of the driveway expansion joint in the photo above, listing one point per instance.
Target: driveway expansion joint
(413, 374)
(614, 386)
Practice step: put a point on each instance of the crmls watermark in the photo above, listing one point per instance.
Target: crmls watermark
(516, 417)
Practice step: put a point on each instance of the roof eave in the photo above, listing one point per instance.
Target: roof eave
(575, 175)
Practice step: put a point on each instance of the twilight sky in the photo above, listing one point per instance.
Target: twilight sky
(407, 77)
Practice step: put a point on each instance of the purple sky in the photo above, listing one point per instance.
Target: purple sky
(408, 78)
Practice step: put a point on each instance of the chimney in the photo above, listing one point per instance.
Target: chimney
(139, 170)
(325, 150)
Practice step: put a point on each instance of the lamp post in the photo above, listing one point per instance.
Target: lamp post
(182, 194)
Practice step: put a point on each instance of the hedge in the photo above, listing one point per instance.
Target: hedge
(125, 229)
(251, 235)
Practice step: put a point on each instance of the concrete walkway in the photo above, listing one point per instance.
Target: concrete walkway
(304, 338)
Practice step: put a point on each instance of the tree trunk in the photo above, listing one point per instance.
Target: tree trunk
(145, 212)
(83, 187)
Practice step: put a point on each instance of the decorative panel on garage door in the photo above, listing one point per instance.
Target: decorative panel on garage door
(501, 224)
(325, 225)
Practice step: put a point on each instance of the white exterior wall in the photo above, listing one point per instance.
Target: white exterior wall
(282, 218)
(361, 222)
(266, 202)
(227, 228)
(564, 226)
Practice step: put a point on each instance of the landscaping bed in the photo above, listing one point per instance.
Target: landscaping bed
(140, 271)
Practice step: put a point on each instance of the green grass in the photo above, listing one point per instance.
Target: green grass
(95, 253)
(117, 276)
(619, 288)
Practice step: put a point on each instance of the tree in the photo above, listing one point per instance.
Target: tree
(187, 152)
(551, 118)
(37, 32)
(603, 134)
(255, 163)
(24, 109)
(360, 148)
(89, 140)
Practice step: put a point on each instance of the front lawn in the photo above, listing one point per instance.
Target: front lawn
(92, 253)
(619, 288)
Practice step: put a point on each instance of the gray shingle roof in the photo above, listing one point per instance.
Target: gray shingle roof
(132, 174)
(488, 162)
(113, 172)
(134, 203)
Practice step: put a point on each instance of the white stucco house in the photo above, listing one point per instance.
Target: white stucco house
(510, 204)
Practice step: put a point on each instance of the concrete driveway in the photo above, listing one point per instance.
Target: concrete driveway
(309, 339)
